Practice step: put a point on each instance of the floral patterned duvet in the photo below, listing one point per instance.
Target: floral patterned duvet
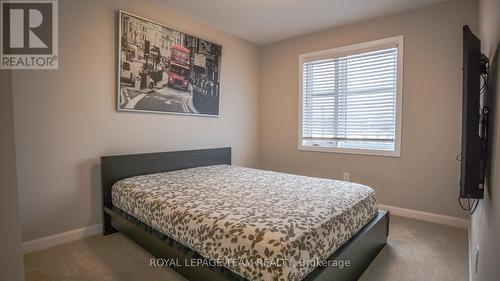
(261, 225)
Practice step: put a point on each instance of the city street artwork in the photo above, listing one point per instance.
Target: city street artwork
(166, 71)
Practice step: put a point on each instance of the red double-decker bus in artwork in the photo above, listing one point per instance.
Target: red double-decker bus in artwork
(178, 73)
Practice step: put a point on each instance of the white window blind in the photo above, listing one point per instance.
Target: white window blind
(349, 101)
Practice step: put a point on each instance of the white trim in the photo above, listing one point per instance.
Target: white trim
(364, 47)
(425, 216)
(358, 151)
(61, 238)
(341, 51)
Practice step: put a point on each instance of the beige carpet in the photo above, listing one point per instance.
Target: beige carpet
(416, 251)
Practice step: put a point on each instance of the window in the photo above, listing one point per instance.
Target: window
(350, 98)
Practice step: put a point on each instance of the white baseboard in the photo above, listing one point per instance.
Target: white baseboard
(424, 216)
(61, 238)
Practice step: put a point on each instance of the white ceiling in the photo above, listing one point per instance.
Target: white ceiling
(267, 21)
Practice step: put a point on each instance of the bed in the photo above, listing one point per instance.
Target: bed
(247, 224)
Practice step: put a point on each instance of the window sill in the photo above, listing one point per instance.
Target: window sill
(358, 151)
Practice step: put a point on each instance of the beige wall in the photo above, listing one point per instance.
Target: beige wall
(66, 119)
(485, 222)
(11, 263)
(426, 176)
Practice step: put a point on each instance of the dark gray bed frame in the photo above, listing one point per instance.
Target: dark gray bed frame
(360, 250)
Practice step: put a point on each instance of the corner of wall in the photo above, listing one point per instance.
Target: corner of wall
(485, 222)
(11, 262)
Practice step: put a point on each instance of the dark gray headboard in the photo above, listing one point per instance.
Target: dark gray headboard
(115, 168)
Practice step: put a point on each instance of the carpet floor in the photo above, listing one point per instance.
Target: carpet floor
(416, 250)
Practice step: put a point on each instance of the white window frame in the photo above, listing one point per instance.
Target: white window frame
(348, 50)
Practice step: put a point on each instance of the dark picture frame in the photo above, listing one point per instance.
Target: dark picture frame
(162, 70)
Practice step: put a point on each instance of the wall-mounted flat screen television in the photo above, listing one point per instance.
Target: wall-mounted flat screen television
(474, 119)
